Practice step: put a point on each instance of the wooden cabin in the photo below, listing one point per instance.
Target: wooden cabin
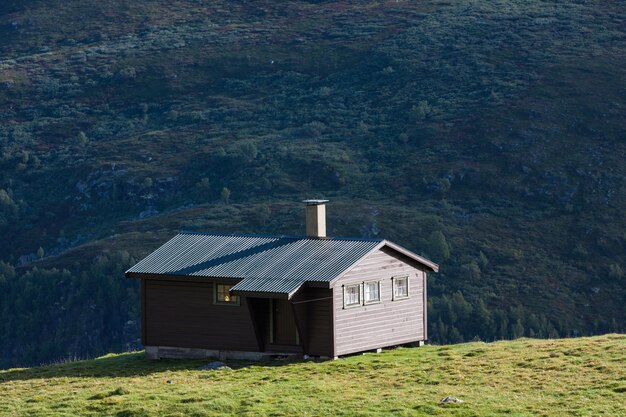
(252, 296)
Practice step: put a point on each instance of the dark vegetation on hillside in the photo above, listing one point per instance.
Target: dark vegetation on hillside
(487, 135)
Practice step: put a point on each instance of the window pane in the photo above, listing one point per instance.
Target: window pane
(353, 295)
(401, 288)
(372, 292)
(223, 294)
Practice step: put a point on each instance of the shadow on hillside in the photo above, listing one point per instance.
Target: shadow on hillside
(118, 366)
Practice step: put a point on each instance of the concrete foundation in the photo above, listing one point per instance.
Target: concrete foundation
(169, 352)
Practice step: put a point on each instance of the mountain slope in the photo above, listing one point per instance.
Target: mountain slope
(486, 135)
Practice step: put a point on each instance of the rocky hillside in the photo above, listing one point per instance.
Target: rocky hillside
(487, 135)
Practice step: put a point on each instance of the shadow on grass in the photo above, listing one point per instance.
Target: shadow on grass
(132, 364)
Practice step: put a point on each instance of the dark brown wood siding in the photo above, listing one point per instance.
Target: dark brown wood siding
(143, 312)
(387, 323)
(313, 310)
(182, 314)
(285, 331)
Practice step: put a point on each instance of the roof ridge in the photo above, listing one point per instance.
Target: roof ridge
(295, 237)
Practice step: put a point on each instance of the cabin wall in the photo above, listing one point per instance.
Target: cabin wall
(182, 314)
(388, 322)
(284, 331)
(313, 308)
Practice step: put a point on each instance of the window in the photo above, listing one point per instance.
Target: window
(400, 288)
(352, 295)
(372, 292)
(223, 296)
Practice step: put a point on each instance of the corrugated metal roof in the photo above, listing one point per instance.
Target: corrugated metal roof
(272, 264)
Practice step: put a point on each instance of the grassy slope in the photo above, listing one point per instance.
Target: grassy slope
(526, 377)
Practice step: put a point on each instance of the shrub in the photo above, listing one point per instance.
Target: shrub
(422, 110)
(128, 73)
(225, 195)
(247, 150)
(324, 91)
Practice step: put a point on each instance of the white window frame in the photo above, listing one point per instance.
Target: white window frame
(345, 295)
(365, 284)
(394, 282)
(237, 299)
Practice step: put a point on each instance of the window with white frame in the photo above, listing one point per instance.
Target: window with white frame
(352, 295)
(372, 292)
(400, 287)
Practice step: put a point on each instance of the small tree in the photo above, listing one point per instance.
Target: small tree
(472, 270)
(324, 91)
(422, 110)
(438, 245)
(204, 184)
(147, 182)
(483, 261)
(40, 252)
(225, 195)
(7, 205)
(616, 271)
(263, 214)
(443, 186)
(172, 115)
(517, 329)
(5, 199)
(247, 150)
(82, 139)
(7, 272)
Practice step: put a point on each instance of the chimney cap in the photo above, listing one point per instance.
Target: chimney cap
(315, 202)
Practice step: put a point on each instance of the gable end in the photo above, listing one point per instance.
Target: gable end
(398, 252)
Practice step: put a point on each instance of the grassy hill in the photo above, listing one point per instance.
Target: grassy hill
(486, 135)
(526, 377)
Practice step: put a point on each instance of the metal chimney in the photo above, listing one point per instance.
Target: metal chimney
(315, 218)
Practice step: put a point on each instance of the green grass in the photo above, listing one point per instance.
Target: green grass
(526, 377)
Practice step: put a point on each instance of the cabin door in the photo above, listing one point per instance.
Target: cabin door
(284, 330)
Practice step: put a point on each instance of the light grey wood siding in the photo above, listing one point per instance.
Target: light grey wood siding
(389, 322)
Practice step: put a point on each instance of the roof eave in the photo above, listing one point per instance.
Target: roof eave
(268, 294)
(261, 294)
(429, 264)
(131, 274)
(176, 277)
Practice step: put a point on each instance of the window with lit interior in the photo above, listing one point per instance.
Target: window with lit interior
(223, 295)
(400, 288)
